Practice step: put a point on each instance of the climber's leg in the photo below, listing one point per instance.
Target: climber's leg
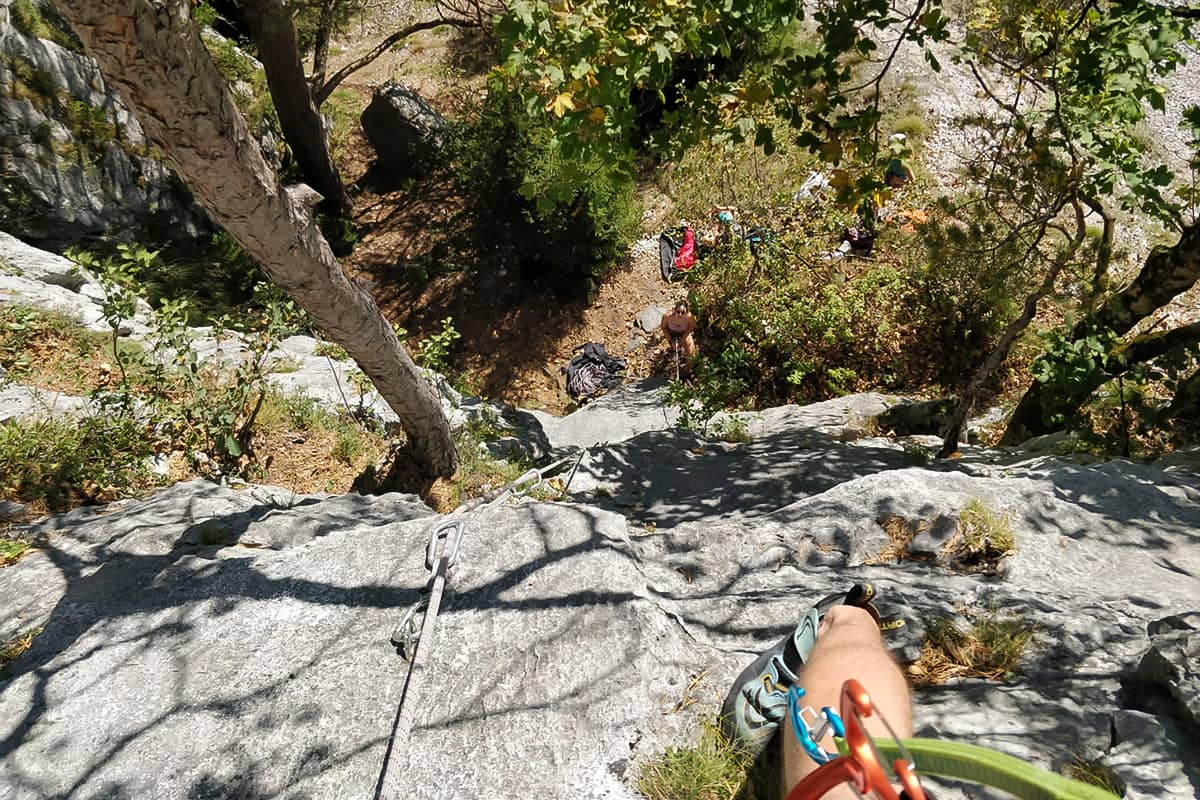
(849, 645)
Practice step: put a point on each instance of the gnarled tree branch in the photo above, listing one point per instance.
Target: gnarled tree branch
(322, 94)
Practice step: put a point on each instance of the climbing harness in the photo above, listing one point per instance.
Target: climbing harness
(861, 758)
(412, 640)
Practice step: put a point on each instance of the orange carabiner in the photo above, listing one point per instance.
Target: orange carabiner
(860, 765)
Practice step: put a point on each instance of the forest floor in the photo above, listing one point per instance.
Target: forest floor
(417, 252)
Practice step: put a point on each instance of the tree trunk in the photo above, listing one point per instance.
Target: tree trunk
(270, 23)
(1167, 272)
(152, 53)
(321, 43)
(996, 358)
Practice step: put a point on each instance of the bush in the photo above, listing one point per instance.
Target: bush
(204, 15)
(41, 21)
(510, 162)
(67, 461)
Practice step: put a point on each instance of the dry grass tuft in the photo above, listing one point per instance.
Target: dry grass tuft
(901, 532)
(13, 648)
(984, 538)
(1094, 773)
(990, 649)
(713, 769)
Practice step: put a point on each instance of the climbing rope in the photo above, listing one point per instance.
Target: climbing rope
(413, 641)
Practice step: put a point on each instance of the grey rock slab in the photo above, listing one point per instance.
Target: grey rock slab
(29, 403)
(1143, 757)
(1173, 662)
(848, 417)
(17, 289)
(268, 673)
(30, 262)
(194, 516)
(676, 476)
(621, 414)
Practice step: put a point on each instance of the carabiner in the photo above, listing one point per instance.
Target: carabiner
(809, 739)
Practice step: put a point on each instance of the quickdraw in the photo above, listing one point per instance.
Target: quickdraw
(412, 640)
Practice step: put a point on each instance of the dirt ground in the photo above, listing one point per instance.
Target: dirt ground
(515, 338)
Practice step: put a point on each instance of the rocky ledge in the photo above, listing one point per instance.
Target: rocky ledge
(208, 642)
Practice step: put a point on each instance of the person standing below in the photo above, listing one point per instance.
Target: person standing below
(679, 325)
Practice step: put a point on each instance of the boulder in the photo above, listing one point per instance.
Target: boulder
(912, 418)
(24, 260)
(650, 318)
(1173, 661)
(404, 130)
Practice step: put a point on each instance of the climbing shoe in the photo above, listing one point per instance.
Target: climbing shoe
(757, 703)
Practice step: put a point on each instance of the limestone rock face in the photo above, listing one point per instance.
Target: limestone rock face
(73, 158)
(403, 128)
(1173, 661)
(239, 641)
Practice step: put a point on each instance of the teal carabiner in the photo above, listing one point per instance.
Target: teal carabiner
(810, 739)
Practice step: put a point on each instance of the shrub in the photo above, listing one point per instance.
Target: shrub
(42, 21)
(434, 350)
(11, 550)
(209, 406)
(348, 444)
(510, 163)
(911, 125)
(478, 471)
(63, 462)
(32, 83)
(204, 15)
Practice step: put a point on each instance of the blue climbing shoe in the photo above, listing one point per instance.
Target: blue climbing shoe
(757, 703)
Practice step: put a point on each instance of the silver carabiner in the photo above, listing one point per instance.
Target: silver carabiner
(449, 533)
(407, 632)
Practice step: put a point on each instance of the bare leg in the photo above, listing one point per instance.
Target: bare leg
(848, 645)
(689, 347)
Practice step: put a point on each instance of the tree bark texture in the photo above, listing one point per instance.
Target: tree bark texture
(1167, 273)
(270, 23)
(152, 53)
